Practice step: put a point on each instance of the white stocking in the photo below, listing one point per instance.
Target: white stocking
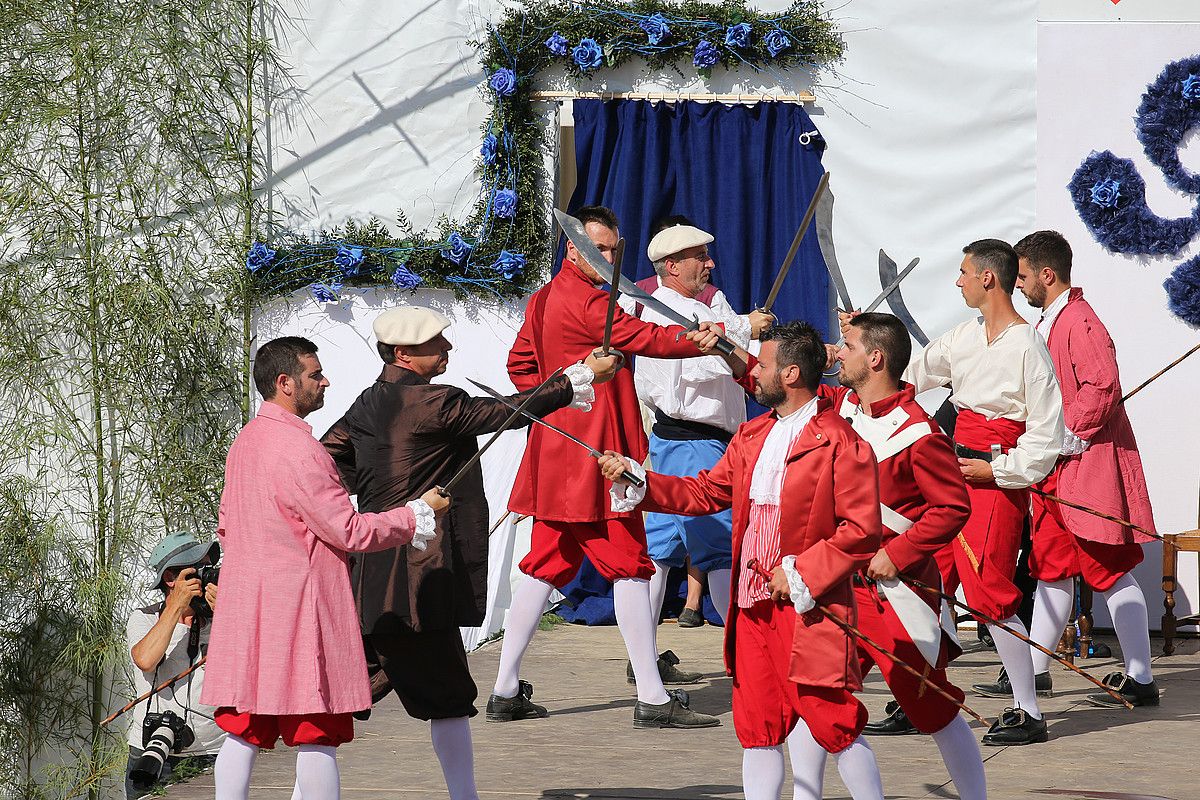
(1014, 654)
(631, 601)
(1052, 606)
(658, 593)
(718, 591)
(1127, 607)
(231, 773)
(317, 772)
(762, 772)
(528, 603)
(808, 763)
(452, 743)
(860, 772)
(960, 751)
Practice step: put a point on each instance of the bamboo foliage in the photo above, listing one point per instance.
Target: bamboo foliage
(127, 163)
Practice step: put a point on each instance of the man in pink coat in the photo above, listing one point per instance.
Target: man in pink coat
(285, 657)
(1099, 468)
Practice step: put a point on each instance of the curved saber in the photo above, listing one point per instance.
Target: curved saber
(613, 292)
(895, 301)
(813, 205)
(824, 223)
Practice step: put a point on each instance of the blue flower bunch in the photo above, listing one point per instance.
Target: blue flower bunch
(404, 279)
(259, 256)
(706, 55)
(509, 265)
(1189, 88)
(326, 292)
(503, 81)
(557, 44)
(504, 204)
(457, 249)
(656, 28)
(488, 149)
(588, 54)
(1168, 111)
(349, 260)
(776, 41)
(738, 35)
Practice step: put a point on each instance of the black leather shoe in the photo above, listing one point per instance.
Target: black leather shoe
(1138, 694)
(672, 714)
(667, 670)
(1043, 685)
(507, 709)
(690, 618)
(1015, 727)
(896, 723)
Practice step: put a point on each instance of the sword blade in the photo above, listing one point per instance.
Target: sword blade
(614, 291)
(629, 476)
(809, 213)
(891, 287)
(825, 240)
(895, 301)
(508, 423)
(588, 252)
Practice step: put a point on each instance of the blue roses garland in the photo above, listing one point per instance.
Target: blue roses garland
(1110, 195)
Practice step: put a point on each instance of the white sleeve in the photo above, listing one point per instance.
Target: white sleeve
(627, 304)
(802, 598)
(1039, 446)
(626, 498)
(931, 368)
(737, 326)
(581, 376)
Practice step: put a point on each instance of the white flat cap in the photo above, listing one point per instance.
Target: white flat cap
(409, 325)
(672, 240)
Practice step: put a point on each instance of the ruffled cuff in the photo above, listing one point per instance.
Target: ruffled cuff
(1072, 444)
(802, 598)
(426, 523)
(738, 330)
(581, 377)
(626, 498)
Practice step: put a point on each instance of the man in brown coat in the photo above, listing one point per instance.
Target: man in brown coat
(402, 436)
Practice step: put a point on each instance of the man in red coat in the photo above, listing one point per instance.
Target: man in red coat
(1099, 467)
(924, 504)
(805, 501)
(563, 492)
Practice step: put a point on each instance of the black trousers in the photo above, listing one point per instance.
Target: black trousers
(427, 669)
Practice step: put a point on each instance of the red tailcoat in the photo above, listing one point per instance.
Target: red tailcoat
(1108, 475)
(564, 323)
(828, 519)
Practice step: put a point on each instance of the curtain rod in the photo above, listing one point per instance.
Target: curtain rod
(741, 97)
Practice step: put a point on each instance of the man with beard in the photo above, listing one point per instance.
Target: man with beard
(1007, 437)
(1099, 466)
(803, 489)
(402, 435)
(924, 504)
(285, 657)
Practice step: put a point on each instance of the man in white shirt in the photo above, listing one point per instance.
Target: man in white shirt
(1007, 437)
(697, 407)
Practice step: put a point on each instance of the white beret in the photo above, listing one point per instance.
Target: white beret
(409, 325)
(672, 240)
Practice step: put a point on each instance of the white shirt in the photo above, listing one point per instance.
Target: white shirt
(1050, 313)
(1011, 378)
(700, 389)
(181, 697)
(766, 482)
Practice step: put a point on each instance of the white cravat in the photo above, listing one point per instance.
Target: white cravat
(766, 482)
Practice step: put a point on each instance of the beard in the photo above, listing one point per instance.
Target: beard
(850, 379)
(309, 402)
(1036, 296)
(770, 394)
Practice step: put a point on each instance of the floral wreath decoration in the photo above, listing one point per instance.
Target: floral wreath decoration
(1110, 196)
(504, 244)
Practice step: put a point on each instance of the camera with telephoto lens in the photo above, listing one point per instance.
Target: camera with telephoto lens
(162, 735)
(206, 574)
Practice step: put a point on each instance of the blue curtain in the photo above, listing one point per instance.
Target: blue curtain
(739, 172)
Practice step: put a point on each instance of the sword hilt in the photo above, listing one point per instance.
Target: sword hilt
(724, 346)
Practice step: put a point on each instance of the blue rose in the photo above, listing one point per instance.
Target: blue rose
(656, 28)
(509, 265)
(504, 204)
(738, 35)
(1106, 193)
(326, 292)
(503, 81)
(1190, 87)
(557, 44)
(706, 54)
(588, 54)
(776, 41)
(259, 256)
(404, 279)
(456, 250)
(349, 260)
(488, 150)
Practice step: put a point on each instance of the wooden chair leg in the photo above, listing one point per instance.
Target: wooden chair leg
(1170, 562)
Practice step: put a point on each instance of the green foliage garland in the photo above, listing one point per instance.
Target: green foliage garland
(511, 254)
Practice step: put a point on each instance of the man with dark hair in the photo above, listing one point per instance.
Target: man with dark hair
(1007, 437)
(564, 494)
(924, 504)
(1099, 466)
(803, 489)
(401, 436)
(286, 658)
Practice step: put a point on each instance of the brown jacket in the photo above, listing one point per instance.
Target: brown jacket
(401, 437)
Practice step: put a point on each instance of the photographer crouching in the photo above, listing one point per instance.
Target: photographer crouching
(165, 639)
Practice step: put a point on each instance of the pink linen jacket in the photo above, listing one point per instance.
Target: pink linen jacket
(1108, 475)
(285, 636)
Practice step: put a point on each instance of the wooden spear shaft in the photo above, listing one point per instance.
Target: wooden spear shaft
(1159, 374)
(1096, 513)
(155, 690)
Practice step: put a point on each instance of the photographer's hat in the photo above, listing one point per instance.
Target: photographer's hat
(180, 549)
(676, 239)
(409, 325)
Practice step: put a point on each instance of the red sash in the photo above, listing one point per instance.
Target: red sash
(977, 432)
